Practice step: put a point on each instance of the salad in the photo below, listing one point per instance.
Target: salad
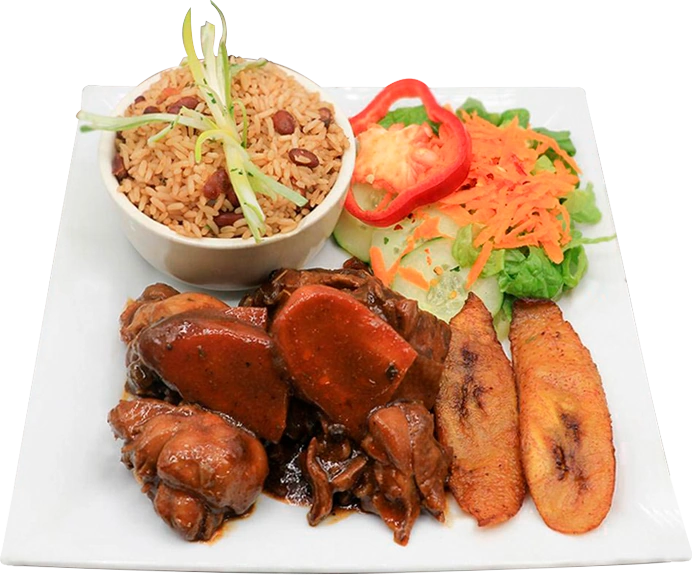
(439, 213)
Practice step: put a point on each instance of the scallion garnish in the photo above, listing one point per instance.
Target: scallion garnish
(213, 76)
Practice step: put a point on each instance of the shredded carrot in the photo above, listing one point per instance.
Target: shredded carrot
(378, 266)
(428, 230)
(413, 276)
(514, 207)
(167, 93)
(546, 142)
(479, 264)
(459, 215)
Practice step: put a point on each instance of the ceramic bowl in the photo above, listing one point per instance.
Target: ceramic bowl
(232, 263)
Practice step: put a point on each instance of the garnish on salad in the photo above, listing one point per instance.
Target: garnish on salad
(413, 165)
(506, 231)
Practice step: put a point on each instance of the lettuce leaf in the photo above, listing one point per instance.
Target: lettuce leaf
(407, 116)
(472, 105)
(581, 205)
(465, 253)
(521, 113)
(574, 266)
(503, 318)
(495, 264)
(543, 164)
(562, 138)
(530, 275)
(463, 250)
(579, 240)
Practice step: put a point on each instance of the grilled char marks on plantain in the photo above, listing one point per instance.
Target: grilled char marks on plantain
(477, 419)
(566, 453)
(572, 425)
(566, 431)
(560, 462)
(471, 388)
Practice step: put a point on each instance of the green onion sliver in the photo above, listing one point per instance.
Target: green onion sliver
(277, 187)
(254, 216)
(243, 111)
(156, 137)
(115, 124)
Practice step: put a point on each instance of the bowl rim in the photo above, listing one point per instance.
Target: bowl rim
(106, 152)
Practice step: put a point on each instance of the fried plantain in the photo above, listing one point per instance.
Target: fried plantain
(476, 417)
(566, 433)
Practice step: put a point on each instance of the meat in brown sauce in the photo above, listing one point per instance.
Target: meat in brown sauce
(196, 466)
(342, 375)
(428, 335)
(333, 465)
(408, 468)
(339, 355)
(221, 363)
(144, 312)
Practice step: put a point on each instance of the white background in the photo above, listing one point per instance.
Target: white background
(47, 53)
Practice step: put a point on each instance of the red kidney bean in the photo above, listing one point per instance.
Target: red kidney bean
(226, 219)
(284, 122)
(219, 183)
(118, 168)
(325, 116)
(187, 102)
(151, 110)
(303, 157)
(139, 99)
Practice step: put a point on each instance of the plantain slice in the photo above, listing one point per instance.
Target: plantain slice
(476, 418)
(566, 433)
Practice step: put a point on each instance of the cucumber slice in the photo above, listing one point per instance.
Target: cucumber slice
(354, 236)
(447, 293)
(409, 290)
(350, 233)
(434, 262)
(393, 241)
(433, 254)
(447, 226)
(446, 298)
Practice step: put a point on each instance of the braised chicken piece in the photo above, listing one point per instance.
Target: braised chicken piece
(186, 514)
(333, 465)
(151, 294)
(152, 312)
(196, 466)
(339, 355)
(357, 365)
(143, 381)
(127, 416)
(408, 468)
(157, 302)
(428, 335)
(206, 357)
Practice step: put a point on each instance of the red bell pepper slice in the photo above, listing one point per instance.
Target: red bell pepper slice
(456, 148)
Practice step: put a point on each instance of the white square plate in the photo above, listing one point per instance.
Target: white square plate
(76, 505)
